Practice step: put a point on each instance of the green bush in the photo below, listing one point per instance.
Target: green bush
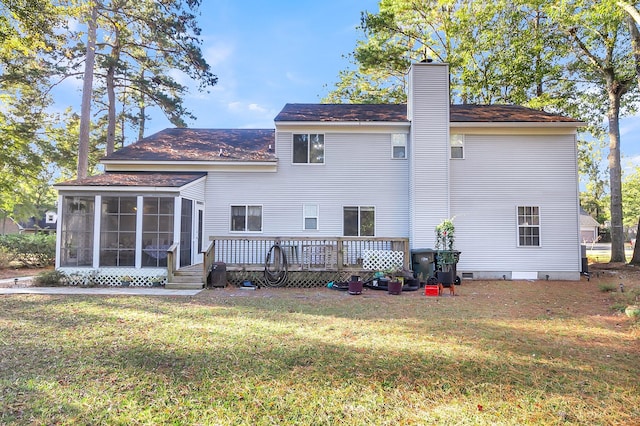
(31, 250)
(50, 279)
(5, 259)
(607, 288)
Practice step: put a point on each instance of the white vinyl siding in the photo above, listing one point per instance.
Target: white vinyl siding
(370, 178)
(501, 173)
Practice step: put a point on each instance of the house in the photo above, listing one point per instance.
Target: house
(589, 228)
(47, 223)
(9, 226)
(332, 184)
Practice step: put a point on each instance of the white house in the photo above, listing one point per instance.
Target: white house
(355, 174)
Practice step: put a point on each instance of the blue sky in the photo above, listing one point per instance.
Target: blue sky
(268, 53)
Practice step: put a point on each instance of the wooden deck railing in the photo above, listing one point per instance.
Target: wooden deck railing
(171, 261)
(208, 259)
(308, 254)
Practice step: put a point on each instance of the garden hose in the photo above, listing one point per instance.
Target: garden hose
(276, 276)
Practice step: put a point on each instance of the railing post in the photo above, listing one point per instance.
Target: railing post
(340, 254)
(171, 261)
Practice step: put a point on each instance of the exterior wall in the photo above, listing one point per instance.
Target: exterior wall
(428, 110)
(358, 171)
(500, 173)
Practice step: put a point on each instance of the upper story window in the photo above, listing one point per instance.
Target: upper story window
(398, 145)
(528, 226)
(359, 221)
(308, 148)
(246, 218)
(310, 217)
(457, 146)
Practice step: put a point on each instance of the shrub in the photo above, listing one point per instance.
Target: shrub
(31, 250)
(607, 288)
(50, 279)
(5, 259)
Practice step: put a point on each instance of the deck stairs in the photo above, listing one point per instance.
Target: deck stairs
(187, 278)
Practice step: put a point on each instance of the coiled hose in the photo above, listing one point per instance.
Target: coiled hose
(275, 274)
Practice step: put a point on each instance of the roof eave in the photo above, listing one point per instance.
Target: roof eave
(547, 124)
(191, 163)
(342, 123)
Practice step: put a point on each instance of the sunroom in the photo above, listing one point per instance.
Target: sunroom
(127, 226)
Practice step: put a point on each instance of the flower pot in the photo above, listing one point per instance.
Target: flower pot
(395, 287)
(125, 283)
(446, 278)
(355, 287)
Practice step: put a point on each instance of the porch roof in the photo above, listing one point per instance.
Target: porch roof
(133, 179)
(216, 145)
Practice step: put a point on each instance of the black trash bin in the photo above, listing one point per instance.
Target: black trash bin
(423, 263)
(218, 275)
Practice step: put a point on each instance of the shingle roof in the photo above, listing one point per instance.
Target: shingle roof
(136, 179)
(343, 112)
(503, 114)
(201, 145)
(398, 113)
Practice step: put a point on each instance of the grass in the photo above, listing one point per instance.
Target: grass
(505, 353)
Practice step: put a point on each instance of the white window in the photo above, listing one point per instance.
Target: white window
(457, 146)
(308, 149)
(359, 221)
(246, 218)
(528, 226)
(398, 145)
(310, 217)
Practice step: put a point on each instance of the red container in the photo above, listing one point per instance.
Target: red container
(431, 290)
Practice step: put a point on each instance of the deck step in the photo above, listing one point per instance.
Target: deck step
(189, 278)
(184, 286)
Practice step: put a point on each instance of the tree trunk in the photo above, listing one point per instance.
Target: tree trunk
(635, 260)
(615, 173)
(114, 59)
(87, 92)
(142, 122)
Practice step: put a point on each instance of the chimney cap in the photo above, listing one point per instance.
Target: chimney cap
(426, 61)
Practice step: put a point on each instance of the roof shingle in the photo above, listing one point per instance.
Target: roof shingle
(136, 179)
(181, 144)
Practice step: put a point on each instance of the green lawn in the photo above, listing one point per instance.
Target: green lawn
(499, 353)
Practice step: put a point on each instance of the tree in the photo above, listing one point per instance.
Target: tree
(142, 41)
(602, 61)
(489, 62)
(87, 91)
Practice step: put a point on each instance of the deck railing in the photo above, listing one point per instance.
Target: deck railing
(312, 254)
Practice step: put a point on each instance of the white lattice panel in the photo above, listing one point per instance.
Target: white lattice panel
(114, 277)
(382, 260)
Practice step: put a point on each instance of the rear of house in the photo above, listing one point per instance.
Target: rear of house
(390, 173)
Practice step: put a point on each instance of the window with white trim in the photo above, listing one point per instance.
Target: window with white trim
(398, 145)
(310, 217)
(528, 226)
(457, 146)
(359, 221)
(246, 218)
(308, 148)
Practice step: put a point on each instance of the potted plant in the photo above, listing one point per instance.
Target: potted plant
(125, 280)
(445, 257)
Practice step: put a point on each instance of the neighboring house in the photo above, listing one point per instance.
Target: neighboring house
(506, 174)
(8, 226)
(47, 223)
(589, 228)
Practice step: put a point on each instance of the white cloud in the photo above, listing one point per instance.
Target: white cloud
(218, 53)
